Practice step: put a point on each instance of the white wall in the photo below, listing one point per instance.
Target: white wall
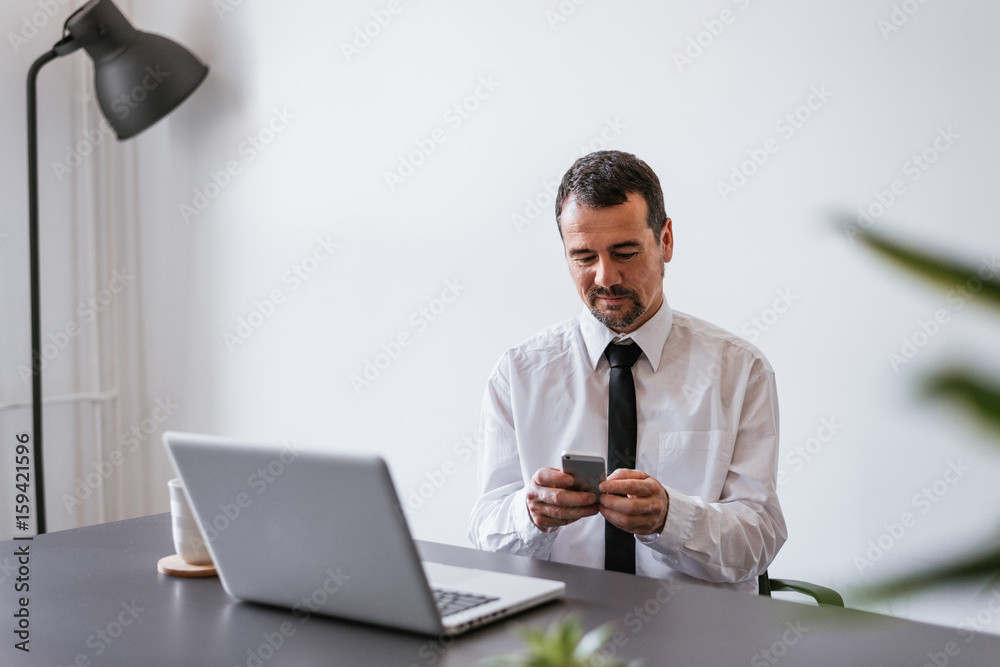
(609, 67)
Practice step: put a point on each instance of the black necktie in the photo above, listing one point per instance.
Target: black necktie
(619, 546)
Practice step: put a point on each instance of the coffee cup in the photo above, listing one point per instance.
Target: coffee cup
(188, 540)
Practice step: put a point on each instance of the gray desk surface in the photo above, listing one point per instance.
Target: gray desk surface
(97, 599)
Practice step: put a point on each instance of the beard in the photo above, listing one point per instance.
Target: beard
(618, 316)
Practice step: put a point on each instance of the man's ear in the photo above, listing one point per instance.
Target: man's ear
(667, 241)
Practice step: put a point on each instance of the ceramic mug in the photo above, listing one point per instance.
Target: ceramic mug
(188, 540)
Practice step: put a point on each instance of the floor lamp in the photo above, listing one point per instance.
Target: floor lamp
(139, 79)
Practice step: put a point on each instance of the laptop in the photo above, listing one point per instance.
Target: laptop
(323, 532)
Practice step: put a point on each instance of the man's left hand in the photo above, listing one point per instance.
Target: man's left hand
(634, 501)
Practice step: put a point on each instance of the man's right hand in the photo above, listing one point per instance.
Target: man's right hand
(550, 502)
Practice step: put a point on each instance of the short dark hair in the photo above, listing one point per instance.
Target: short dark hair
(606, 178)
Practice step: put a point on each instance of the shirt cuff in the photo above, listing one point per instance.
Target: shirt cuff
(679, 526)
(538, 540)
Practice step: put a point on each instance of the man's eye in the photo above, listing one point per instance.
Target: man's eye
(585, 260)
(627, 255)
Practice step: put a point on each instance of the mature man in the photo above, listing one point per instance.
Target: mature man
(696, 494)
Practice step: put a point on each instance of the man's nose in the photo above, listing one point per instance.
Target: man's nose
(607, 273)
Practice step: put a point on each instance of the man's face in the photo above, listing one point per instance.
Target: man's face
(615, 260)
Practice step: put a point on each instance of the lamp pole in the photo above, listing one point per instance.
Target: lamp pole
(38, 483)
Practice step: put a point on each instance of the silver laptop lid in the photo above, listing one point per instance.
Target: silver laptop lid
(316, 531)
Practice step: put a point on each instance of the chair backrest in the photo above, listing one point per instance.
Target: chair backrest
(821, 594)
(764, 584)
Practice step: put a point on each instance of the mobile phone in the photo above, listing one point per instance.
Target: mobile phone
(588, 471)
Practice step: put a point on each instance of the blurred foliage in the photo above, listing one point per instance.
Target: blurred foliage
(563, 645)
(945, 273)
(980, 399)
(977, 396)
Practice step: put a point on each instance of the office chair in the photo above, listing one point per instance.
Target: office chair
(821, 594)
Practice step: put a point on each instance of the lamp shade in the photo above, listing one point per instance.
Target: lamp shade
(139, 77)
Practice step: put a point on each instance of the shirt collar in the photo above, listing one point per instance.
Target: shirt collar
(651, 336)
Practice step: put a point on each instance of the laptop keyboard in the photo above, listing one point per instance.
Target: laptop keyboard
(452, 602)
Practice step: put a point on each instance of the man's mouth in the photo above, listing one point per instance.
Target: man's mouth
(612, 297)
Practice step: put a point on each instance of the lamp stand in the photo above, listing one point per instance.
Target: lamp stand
(123, 57)
(36, 325)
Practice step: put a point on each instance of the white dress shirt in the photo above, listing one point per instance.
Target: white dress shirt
(707, 430)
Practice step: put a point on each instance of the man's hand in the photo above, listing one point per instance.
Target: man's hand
(643, 510)
(551, 504)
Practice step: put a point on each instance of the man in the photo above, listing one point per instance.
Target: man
(700, 499)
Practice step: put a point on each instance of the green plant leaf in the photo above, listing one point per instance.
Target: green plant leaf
(567, 636)
(533, 637)
(562, 644)
(979, 398)
(973, 569)
(981, 285)
(947, 274)
(591, 643)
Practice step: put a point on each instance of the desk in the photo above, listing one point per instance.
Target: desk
(96, 598)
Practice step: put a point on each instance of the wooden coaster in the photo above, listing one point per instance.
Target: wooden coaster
(176, 566)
